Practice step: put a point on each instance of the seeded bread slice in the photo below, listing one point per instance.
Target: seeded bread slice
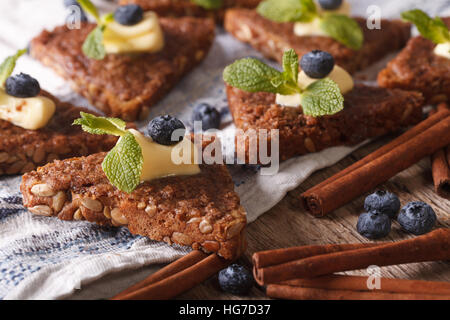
(126, 86)
(272, 39)
(202, 211)
(368, 112)
(22, 150)
(417, 68)
(180, 8)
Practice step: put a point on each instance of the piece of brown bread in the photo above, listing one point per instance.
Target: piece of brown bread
(124, 85)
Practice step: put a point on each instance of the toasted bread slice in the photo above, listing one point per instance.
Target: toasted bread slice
(368, 112)
(202, 211)
(22, 150)
(126, 86)
(180, 8)
(417, 68)
(272, 39)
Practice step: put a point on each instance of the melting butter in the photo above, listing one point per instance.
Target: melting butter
(312, 28)
(28, 113)
(159, 159)
(443, 50)
(145, 36)
(339, 75)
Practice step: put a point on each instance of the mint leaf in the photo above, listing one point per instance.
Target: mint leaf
(252, 75)
(322, 97)
(90, 8)
(433, 29)
(343, 29)
(290, 65)
(93, 45)
(101, 125)
(7, 67)
(288, 10)
(208, 4)
(123, 164)
(107, 18)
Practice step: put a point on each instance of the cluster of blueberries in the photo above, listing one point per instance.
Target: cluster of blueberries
(381, 207)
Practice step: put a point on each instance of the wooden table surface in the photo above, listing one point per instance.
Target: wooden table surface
(287, 224)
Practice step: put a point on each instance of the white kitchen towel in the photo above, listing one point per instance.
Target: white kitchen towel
(44, 258)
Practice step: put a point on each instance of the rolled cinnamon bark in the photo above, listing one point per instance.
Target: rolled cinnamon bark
(267, 258)
(330, 196)
(179, 282)
(359, 283)
(298, 293)
(430, 247)
(179, 265)
(440, 166)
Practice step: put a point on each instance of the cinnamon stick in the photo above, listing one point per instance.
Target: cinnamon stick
(379, 168)
(179, 282)
(440, 167)
(359, 283)
(298, 293)
(430, 247)
(179, 265)
(267, 258)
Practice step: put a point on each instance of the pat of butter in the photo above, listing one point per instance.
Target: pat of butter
(339, 75)
(312, 28)
(443, 50)
(158, 161)
(28, 113)
(146, 36)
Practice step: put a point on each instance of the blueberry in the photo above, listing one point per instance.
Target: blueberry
(208, 115)
(129, 15)
(235, 279)
(22, 86)
(373, 225)
(330, 4)
(317, 64)
(383, 201)
(160, 129)
(417, 217)
(68, 3)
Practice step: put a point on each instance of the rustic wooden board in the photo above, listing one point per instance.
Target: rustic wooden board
(287, 224)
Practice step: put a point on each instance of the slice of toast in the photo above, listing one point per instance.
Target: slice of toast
(22, 150)
(368, 112)
(126, 86)
(272, 39)
(417, 68)
(180, 8)
(202, 211)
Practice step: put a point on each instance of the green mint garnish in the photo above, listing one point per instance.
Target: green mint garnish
(8, 65)
(288, 10)
(322, 97)
(93, 45)
(341, 28)
(433, 29)
(123, 164)
(208, 4)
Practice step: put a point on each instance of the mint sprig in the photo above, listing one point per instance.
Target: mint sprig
(93, 46)
(322, 97)
(341, 28)
(123, 164)
(433, 29)
(208, 4)
(8, 65)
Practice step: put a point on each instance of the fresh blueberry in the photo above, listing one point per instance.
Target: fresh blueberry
(330, 4)
(384, 202)
(417, 217)
(208, 115)
(235, 279)
(129, 15)
(68, 3)
(22, 86)
(160, 129)
(317, 64)
(373, 225)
